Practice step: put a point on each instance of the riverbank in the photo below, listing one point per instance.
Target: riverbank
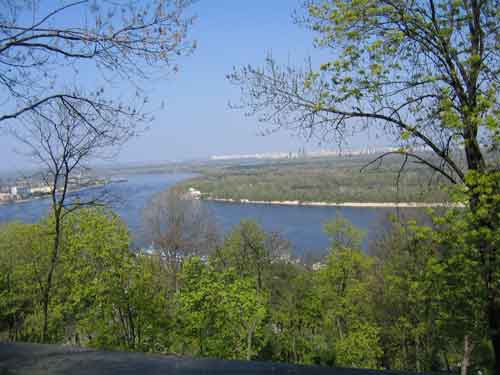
(319, 181)
(47, 196)
(340, 204)
(16, 201)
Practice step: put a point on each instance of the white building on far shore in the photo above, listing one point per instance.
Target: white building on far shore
(194, 194)
(317, 266)
(5, 197)
(17, 192)
(41, 190)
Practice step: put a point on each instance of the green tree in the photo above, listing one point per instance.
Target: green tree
(429, 299)
(456, 277)
(250, 251)
(407, 303)
(130, 309)
(426, 74)
(23, 249)
(103, 295)
(294, 329)
(109, 297)
(178, 228)
(220, 314)
(343, 285)
(61, 124)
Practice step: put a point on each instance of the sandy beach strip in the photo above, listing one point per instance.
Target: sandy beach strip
(341, 204)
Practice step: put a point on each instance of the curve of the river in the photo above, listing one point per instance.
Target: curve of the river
(301, 225)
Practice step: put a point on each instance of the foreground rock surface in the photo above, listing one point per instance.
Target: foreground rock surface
(17, 358)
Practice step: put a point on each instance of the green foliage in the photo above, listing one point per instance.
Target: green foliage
(376, 43)
(23, 249)
(220, 314)
(102, 294)
(410, 305)
(360, 347)
(405, 300)
(346, 303)
(430, 296)
(245, 250)
(294, 331)
(343, 234)
(311, 180)
(425, 74)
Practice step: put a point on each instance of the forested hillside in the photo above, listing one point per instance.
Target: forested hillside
(401, 306)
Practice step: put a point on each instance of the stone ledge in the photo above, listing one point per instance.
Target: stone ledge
(35, 359)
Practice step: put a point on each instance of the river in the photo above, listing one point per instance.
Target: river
(301, 225)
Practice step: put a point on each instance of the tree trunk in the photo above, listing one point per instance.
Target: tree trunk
(489, 253)
(50, 274)
(417, 356)
(464, 367)
(494, 325)
(251, 329)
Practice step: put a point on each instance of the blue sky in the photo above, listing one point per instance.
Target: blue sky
(197, 121)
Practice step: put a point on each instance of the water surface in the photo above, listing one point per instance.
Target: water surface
(301, 225)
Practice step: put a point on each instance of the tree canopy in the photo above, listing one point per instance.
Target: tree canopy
(48, 47)
(425, 74)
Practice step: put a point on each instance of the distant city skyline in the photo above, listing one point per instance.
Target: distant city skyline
(196, 121)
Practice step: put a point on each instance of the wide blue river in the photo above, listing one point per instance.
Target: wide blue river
(301, 225)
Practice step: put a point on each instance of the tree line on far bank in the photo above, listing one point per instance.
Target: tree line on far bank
(410, 303)
(333, 179)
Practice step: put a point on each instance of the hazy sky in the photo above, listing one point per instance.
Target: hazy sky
(196, 121)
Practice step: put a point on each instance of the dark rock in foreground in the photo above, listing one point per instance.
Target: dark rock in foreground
(16, 358)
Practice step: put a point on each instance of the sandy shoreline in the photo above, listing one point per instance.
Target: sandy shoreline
(340, 204)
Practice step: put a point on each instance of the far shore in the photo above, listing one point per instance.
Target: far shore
(47, 196)
(341, 204)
